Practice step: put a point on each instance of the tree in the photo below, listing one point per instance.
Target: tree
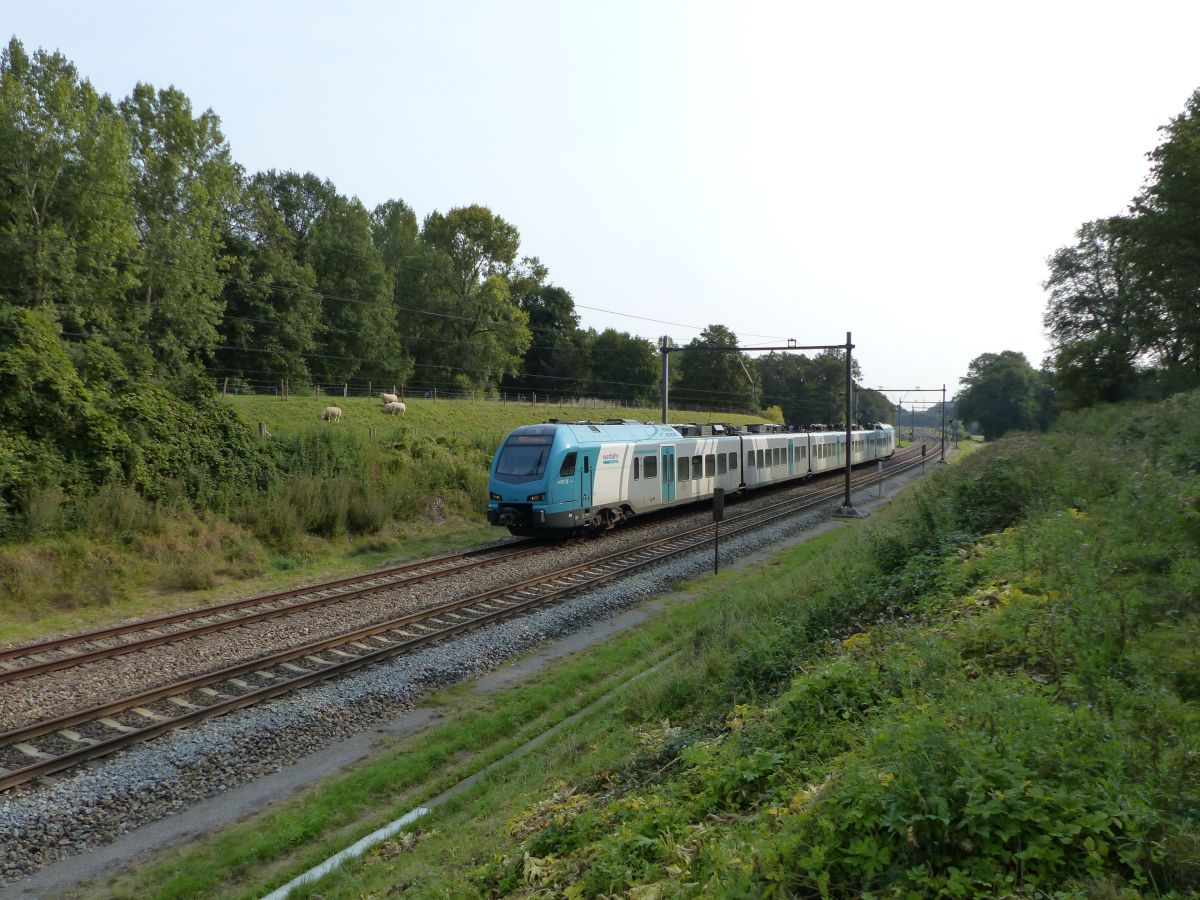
(184, 183)
(360, 336)
(67, 239)
(1001, 392)
(557, 357)
(339, 240)
(713, 376)
(272, 310)
(624, 365)
(1166, 249)
(480, 334)
(1097, 316)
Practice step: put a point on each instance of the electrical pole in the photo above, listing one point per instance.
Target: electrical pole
(664, 349)
(848, 509)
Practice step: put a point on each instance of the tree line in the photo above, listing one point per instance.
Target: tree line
(1122, 306)
(1123, 312)
(128, 226)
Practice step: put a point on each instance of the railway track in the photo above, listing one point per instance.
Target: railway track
(52, 745)
(74, 650)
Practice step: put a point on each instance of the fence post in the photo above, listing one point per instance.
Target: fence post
(316, 392)
(435, 392)
(345, 390)
(225, 386)
(369, 391)
(262, 430)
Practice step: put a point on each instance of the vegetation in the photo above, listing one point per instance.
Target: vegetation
(339, 497)
(988, 689)
(1002, 392)
(142, 263)
(1122, 311)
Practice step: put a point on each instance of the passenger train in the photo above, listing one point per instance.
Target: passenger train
(561, 478)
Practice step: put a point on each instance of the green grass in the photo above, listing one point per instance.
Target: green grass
(484, 423)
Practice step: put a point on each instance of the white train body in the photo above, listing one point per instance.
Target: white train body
(562, 477)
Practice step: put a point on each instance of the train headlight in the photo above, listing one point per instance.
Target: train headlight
(534, 498)
(494, 496)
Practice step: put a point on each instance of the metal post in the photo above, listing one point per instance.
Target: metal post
(664, 349)
(718, 513)
(846, 504)
(943, 459)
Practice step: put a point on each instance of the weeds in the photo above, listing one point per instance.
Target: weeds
(990, 694)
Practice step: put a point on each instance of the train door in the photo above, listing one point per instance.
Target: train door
(668, 474)
(791, 460)
(585, 483)
(645, 484)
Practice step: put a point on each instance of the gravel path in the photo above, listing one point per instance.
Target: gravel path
(92, 805)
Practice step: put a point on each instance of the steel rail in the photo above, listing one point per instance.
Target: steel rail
(396, 575)
(609, 567)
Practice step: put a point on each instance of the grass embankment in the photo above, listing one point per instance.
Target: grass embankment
(351, 495)
(988, 690)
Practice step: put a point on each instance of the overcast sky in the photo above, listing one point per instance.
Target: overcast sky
(898, 170)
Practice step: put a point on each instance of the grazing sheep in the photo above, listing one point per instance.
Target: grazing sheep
(394, 407)
(389, 398)
(332, 414)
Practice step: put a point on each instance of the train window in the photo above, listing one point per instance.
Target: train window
(779, 456)
(568, 466)
(759, 454)
(750, 459)
(710, 466)
(637, 465)
(684, 468)
(697, 467)
(721, 463)
(651, 466)
(732, 462)
(585, 465)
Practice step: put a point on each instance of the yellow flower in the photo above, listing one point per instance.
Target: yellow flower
(861, 640)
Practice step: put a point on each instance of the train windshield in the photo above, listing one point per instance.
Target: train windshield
(524, 456)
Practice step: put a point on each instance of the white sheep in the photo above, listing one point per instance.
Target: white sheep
(332, 414)
(394, 407)
(389, 398)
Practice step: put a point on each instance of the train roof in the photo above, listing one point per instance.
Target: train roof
(587, 431)
(610, 430)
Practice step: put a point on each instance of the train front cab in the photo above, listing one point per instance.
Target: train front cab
(541, 481)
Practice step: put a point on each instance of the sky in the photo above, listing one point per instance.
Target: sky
(901, 171)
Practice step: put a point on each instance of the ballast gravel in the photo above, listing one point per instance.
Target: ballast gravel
(117, 794)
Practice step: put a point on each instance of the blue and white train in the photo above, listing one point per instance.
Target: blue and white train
(560, 478)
